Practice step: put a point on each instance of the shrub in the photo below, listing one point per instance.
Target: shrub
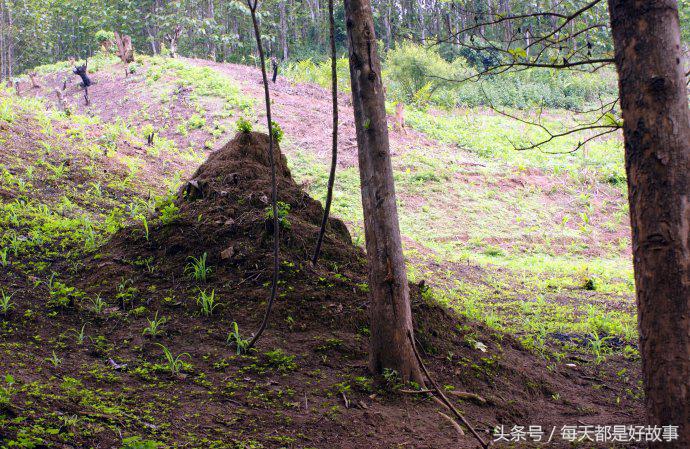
(243, 125)
(277, 131)
(415, 72)
(103, 36)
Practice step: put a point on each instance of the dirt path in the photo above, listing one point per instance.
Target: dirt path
(304, 113)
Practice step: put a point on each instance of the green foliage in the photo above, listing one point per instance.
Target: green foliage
(309, 71)
(155, 326)
(4, 261)
(145, 225)
(234, 338)
(98, 304)
(419, 75)
(277, 131)
(207, 302)
(197, 269)
(283, 212)
(205, 81)
(243, 125)
(281, 361)
(61, 295)
(103, 36)
(196, 121)
(6, 303)
(415, 72)
(7, 390)
(136, 442)
(175, 364)
(54, 360)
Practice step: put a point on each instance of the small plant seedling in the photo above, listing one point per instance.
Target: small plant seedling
(283, 212)
(169, 213)
(54, 359)
(81, 335)
(61, 295)
(598, 348)
(137, 443)
(7, 390)
(207, 302)
(175, 363)
(3, 256)
(6, 303)
(98, 304)
(197, 268)
(145, 224)
(155, 327)
(235, 338)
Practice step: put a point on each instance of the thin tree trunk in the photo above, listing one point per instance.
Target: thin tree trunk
(654, 102)
(334, 142)
(10, 43)
(391, 318)
(253, 4)
(3, 60)
(283, 30)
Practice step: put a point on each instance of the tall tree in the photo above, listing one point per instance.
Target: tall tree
(656, 126)
(390, 314)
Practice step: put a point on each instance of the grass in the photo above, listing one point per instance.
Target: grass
(543, 226)
(197, 268)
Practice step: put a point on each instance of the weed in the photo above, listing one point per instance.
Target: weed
(174, 363)
(597, 344)
(81, 335)
(6, 303)
(155, 327)
(145, 224)
(137, 443)
(283, 212)
(196, 121)
(197, 268)
(98, 304)
(169, 213)
(61, 296)
(54, 360)
(281, 361)
(243, 125)
(235, 338)
(125, 292)
(391, 377)
(3, 256)
(207, 302)
(7, 390)
(277, 131)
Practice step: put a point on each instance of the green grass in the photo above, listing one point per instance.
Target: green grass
(489, 136)
(537, 223)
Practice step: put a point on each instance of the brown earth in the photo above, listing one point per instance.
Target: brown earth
(307, 385)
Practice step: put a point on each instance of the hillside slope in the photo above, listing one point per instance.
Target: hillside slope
(98, 242)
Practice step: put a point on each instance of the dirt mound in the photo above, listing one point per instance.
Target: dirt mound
(231, 190)
(319, 325)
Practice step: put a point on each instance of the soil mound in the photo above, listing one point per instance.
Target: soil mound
(232, 189)
(320, 318)
(224, 211)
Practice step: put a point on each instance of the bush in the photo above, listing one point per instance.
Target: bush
(277, 131)
(243, 125)
(308, 71)
(415, 73)
(103, 36)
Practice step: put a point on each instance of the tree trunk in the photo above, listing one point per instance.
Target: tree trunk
(391, 318)
(656, 127)
(283, 30)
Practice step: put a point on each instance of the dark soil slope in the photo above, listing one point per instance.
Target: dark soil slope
(306, 386)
